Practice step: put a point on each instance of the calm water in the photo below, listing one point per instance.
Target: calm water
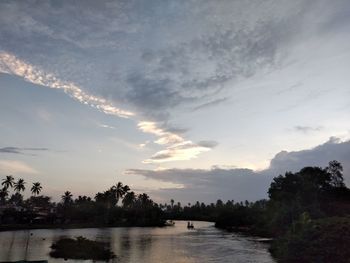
(147, 245)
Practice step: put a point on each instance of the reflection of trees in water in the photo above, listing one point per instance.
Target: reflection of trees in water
(9, 253)
(144, 243)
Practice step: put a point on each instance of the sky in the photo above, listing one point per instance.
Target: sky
(190, 100)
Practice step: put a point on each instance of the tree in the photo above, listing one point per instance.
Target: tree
(129, 200)
(172, 203)
(36, 188)
(3, 194)
(67, 198)
(144, 200)
(8, 182)
(335, 170)
(119, 190)
(19, 185)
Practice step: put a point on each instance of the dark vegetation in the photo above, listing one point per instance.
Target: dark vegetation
(117, 206)
(81, 248)
(307, 215)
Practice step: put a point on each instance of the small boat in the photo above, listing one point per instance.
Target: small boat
(190, 225)
(170, 223)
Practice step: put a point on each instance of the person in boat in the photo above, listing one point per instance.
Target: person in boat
(190, 225)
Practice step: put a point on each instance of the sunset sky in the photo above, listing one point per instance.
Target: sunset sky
(191, 100)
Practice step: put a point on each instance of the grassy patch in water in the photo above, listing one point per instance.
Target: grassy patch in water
(81, 248)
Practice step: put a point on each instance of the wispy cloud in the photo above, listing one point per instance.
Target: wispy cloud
(16, 167)
(210, 103)
(10, 64)
(106, 126)
(307, 129)
(177, 147)
(17, 150)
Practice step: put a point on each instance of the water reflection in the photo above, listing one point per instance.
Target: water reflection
(170, 244)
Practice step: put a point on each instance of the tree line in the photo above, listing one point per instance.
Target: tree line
(116, 206)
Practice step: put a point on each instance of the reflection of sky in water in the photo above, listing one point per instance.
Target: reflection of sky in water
(148, 245)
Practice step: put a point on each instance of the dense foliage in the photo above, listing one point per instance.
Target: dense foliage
(321, 240)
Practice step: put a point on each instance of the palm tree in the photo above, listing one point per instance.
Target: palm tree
(129, 199)
(36, 188)
(67, 197)
(8, 182)
(19, 185)
(126, 189)
(119, 190)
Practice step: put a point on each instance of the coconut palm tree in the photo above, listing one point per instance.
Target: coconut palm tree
(8, 182)
(19, 185)
(119, 190)
(129, 199)
(67, 197)
(36, 188)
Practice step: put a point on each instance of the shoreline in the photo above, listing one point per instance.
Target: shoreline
(15, 227)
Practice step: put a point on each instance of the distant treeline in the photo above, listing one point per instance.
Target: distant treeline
(307, 214)
(102, 210)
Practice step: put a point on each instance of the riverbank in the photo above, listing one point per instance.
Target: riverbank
(14, 227)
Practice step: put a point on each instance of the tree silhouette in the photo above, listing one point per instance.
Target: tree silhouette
(119, 190)
(36, 188)
(67, 197)
(8, 182)
(19, 185)
(3, 194)
(129, 199)
(335, 170)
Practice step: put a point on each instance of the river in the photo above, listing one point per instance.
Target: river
(147, 245)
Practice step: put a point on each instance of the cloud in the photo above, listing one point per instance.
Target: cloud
(148, 59)
(241, 184)
(106, 126)
(333, 149)
(16, 167)
(10, 64)
(145, 61)
(176, 147)
(210, 103)
(307, 129)
(17, 150)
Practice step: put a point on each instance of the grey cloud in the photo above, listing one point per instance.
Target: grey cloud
(210, 103)
(151, 94)
(307, 129)
(333, 149)
(208, 144)
(187, 62)
(242, 184)
(17, 150)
